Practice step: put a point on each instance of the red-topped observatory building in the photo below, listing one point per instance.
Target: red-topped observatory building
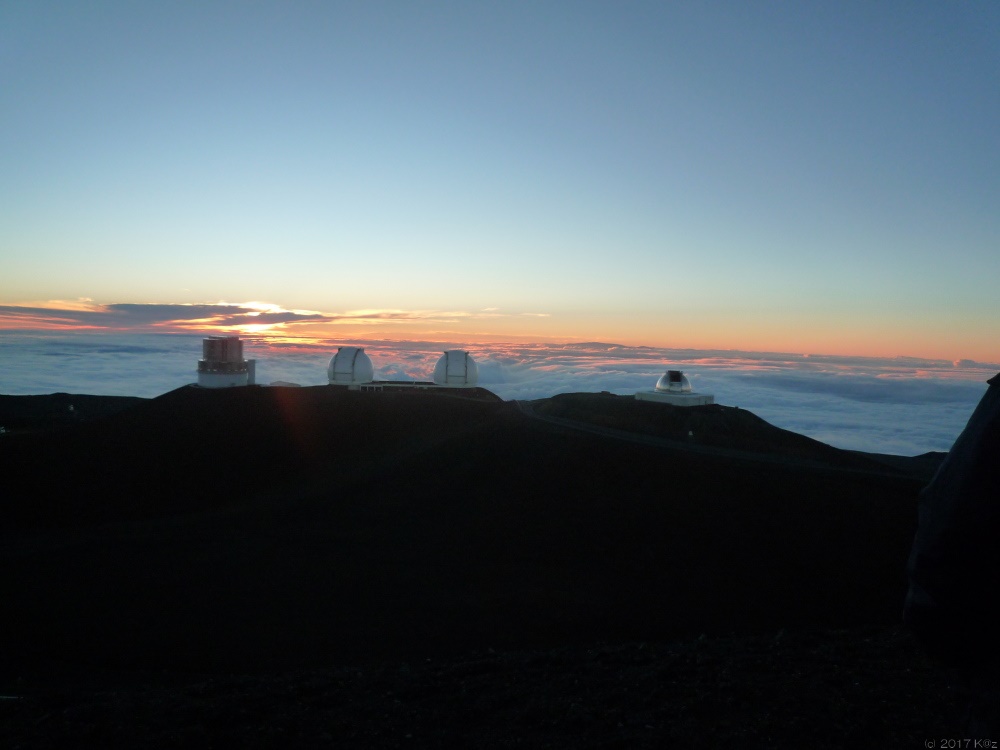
(222, 364)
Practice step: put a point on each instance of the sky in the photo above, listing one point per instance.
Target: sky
(772, 180)
(783, 176)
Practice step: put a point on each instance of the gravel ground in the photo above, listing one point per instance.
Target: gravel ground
(819, 689)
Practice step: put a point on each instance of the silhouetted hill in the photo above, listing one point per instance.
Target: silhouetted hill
(58, 409)
(248, 530)
(713, 425)
(195, 449)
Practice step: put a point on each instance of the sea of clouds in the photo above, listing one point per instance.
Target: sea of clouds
(903, 406)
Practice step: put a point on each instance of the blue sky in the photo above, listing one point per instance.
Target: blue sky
(810, 177)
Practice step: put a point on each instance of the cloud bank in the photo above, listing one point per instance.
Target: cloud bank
(901, 405)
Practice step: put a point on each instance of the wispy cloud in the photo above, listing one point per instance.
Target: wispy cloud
(259, 318)
(141, 317)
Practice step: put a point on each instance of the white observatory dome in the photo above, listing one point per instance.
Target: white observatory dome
(350, 366)
(456, 368)
(673, 381)
(675, 389)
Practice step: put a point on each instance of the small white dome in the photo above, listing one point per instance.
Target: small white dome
(350, 366)
(456, 368)
(673, 381)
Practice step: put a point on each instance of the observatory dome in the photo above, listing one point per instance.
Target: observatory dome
(456, 368)
(673, 381)
(675, 389)
(350, 366)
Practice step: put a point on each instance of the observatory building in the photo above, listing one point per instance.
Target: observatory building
(674, 388)
(352, 368)
(222, 364)
(456, 369)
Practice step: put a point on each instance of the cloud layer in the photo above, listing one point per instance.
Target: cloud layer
(903, 406)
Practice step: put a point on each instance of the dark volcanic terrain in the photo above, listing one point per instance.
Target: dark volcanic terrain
(317, 566)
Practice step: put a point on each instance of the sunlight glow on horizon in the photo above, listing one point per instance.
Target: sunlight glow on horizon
(493, 325)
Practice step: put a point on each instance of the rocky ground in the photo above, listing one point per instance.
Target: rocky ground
(863, 688)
